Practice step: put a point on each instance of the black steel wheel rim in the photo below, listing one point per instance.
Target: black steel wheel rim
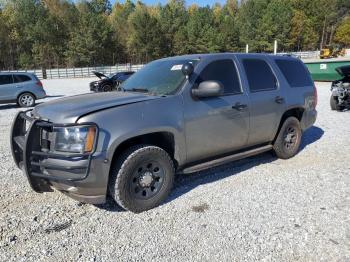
(290, 138)
(147, 180)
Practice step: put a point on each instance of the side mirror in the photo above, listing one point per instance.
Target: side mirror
(187, 69)
(208, 89)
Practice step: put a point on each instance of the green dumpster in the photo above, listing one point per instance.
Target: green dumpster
(324, 70)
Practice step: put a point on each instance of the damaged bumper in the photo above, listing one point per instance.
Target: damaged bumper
(71, 173)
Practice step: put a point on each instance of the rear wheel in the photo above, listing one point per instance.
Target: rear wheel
(26, 100)
(142, 178)
(289, 138)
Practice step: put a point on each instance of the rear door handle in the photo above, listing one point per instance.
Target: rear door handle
(238, 106)
(279, 100)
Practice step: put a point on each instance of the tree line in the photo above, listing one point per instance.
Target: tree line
(59, 33)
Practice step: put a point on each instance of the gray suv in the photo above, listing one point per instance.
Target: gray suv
(176, 115)
(20, 88)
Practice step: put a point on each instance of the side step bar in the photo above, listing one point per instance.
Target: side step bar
(226, 159)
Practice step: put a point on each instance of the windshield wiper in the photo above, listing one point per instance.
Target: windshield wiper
(142, 90)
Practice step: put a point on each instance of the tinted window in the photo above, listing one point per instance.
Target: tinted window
(6, 79)
(21, 78)
(294, 72)
(223, 71)
(259, 74)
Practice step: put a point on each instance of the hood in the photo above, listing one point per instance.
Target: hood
(343, 70)
(69, 109)
(99, 75)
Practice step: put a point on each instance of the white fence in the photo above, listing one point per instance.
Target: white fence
(87, 71)
(81, 71)
(304, 55)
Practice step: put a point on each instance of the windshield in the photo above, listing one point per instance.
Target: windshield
(158, 77)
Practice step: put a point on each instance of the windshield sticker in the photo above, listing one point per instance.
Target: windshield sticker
(176, 67)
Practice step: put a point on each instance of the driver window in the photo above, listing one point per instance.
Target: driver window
(223, 71)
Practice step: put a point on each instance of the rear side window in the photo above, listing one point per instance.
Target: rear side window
(223, 71)
(259, 74)
(6, 79)
(21, 78)
(294, 72)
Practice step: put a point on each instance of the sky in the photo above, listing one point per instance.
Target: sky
(188, 2)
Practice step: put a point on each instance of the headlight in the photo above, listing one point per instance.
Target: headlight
(79, 139)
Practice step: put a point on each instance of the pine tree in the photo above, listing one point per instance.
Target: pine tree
(342, 35)
(146, 41)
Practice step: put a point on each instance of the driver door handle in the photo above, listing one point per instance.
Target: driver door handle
(279, 100)
(238, 106)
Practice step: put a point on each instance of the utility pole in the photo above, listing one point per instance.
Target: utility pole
(275, 48)
(247, 48)
(323, 32)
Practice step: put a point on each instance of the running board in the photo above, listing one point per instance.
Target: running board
(226, 159)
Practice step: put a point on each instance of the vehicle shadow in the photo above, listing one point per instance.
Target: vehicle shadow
(310, 136)
(14, 105)
(8, 106)
(186, 183)
(54, 96)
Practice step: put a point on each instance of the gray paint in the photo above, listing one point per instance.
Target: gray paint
(202, 128)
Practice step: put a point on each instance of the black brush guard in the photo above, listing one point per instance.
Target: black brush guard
(30, 152)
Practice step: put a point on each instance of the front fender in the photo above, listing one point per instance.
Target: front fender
(122, 123)
(179, 154)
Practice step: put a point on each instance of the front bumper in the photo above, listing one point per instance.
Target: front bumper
(72, 173)
(94, 87)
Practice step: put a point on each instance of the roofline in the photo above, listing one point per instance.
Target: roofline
(199, 56)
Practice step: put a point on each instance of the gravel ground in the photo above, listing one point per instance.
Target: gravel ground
(260, 208)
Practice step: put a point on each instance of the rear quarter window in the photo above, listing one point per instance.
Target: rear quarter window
(294, 72)
(21, 78)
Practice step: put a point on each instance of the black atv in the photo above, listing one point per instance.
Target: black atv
(340, 98)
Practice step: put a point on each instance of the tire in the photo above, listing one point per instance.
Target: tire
(141, 178)
(26, 100)
(334, 104)
(288, 140)
(106, 88)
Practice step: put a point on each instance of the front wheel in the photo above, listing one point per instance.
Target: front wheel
(106, 88)
(334, 104)
(288, 140)
(142, 178)
(26, 100)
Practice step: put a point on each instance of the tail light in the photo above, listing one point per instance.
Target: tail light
(39, 84)
(316, 96)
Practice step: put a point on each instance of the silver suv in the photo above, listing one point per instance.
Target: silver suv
(20, 88)
(176, 115)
